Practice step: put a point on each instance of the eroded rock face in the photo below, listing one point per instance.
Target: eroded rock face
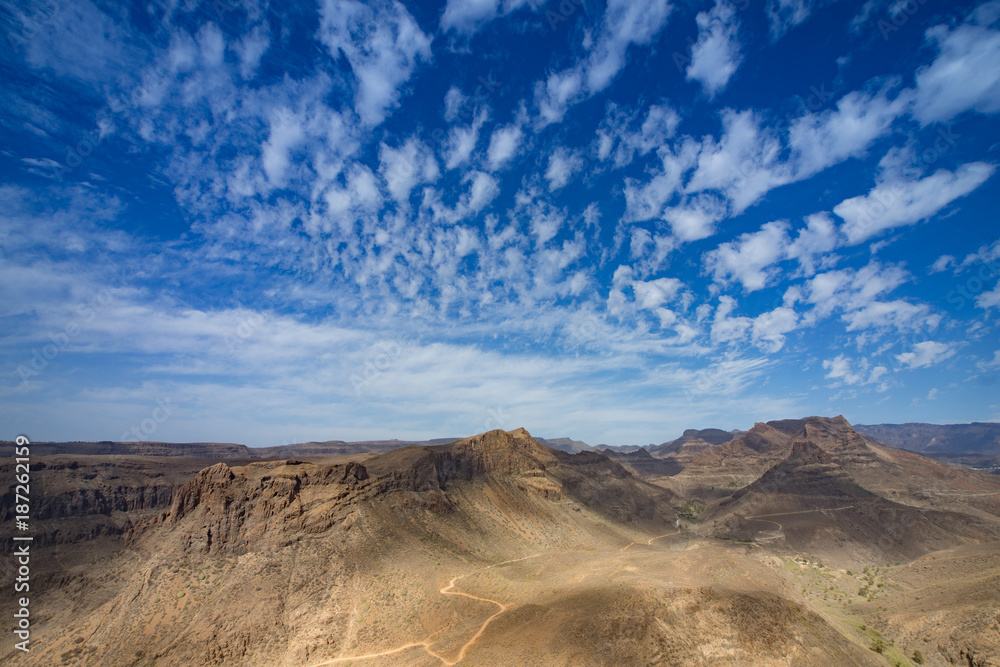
(75, 499)
(749, 455)
(234, 509)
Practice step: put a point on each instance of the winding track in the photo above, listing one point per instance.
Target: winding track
(758, 517)
(427, 643)
(650, 540)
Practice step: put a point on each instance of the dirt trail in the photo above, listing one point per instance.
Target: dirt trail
(758, 517)
(650, 540)
(427, 643)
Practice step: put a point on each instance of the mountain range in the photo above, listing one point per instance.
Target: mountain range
(795, 542)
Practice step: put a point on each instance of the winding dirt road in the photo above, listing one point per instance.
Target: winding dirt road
(650, 540)
(759, 517)
(427, 643)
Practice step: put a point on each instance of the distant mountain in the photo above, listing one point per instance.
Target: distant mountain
(693, 436)
(342, 448)
(497, 548)
(568, 445)
(814, 502)
(975, 438)
(893, 473)
(202, 450)
(642, 464)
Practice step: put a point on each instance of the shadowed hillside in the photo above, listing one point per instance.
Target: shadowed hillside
(497, 550)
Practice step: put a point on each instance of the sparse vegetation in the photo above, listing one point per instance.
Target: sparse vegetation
(691, 510)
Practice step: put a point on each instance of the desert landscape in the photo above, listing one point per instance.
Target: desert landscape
(796, 542)
(500, 333)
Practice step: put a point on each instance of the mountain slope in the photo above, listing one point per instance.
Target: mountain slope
(974, 438)
(818, 507)
(496, 550)
(893, 473)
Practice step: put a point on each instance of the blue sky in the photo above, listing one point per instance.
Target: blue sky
(265, 224)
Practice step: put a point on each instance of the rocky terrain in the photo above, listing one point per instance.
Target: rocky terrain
(798, 542)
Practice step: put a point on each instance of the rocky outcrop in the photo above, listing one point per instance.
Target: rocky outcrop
(808, 471)
(231, 510)
(78, 498)
(766, 444)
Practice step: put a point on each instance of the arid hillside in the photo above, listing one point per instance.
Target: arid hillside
(499, 550)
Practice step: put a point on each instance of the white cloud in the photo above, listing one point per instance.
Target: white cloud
(468, 16)
(783, 15)
(504, 145)
(357, 201)
(844, 370)
(856, 294)
(624, 23)
(927, 353)
(405, 167)
(942, 263)
(990, 364)
(904, 202)
(990, 299)
(744, 164)
(820, 140)
(651, 294)
(286, 134)
(383, 44)
(563, 163)
(813, 243)
(462, 142)
(715, 57)
(695, 217)
(650, 251)
(645, 201)
(76, 39)
(879, 314)
(618, 142)
(963, 77)
(482, 190)
(251, 49)
(987, 254)
(557, 93)
(726, 329)
(747, 258)
(454, 100)
(769, 328)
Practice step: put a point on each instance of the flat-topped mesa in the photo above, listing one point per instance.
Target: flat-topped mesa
(691, 441)
(203, 450)
(715, 436)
